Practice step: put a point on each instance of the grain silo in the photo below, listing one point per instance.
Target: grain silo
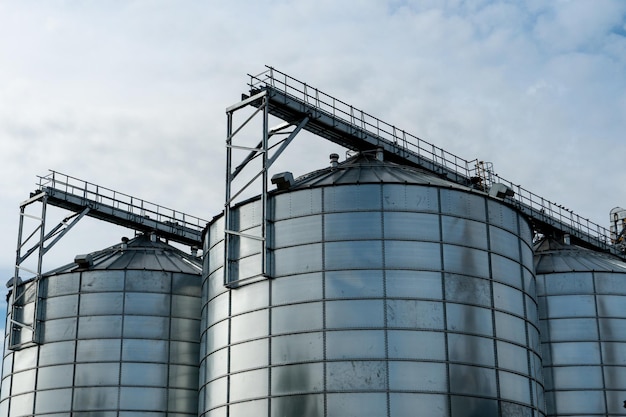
(115, 334)
(399, 282)
(582, 299)
(393, 292)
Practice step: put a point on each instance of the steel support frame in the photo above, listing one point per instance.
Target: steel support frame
(21, 287)
(231, 195)
(262, 150)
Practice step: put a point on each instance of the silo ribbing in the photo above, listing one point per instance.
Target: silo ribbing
(118, 338)
(393, 292)
(582, 299)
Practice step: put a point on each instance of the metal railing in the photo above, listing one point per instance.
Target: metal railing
(541, 207)
(340, 110)
(117, 200)
(535, 206)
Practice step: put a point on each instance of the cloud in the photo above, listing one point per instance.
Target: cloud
(569, 26)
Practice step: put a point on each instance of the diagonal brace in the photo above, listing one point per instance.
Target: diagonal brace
(287, 141)
(54, 231)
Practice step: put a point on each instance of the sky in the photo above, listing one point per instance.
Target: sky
(131, 95)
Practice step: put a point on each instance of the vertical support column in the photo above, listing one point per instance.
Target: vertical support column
(17, 290)
(261, 101)
(231, 235)
(37, 282)
(265, 179)
(18, 252)
(20, 292)
(229, 177)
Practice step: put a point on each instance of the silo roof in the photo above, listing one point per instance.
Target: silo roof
(139, 253)
(552, 256)
(364, 168)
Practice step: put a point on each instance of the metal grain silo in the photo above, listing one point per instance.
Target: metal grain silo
(582, 312)
(392, 293)
(117, 335)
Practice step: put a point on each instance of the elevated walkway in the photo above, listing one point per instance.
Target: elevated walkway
(124, 210)
(82, 199)
(294, 101)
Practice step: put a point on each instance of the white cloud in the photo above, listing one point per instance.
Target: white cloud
(578, 25)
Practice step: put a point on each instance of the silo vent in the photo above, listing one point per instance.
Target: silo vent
(125, 242)
(13, 281)
(379, 154)
(283, 180)
(84, 261)
(334, 160)
(500, 190)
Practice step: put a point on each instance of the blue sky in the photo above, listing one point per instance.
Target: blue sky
(131, 94)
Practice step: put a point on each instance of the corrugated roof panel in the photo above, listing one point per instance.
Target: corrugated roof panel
(552, 256)
(141, 253)
(365, 168)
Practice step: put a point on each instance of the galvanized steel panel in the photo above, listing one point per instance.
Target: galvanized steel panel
(378, 293)
(296, 204)
(253, 354)
(417, 376)
(294, 348)
(109, 345)
(355, 344)
(356, 404)
(250, 298)
(298, 288)
(409, 198)
(365, 254)
(419, 345)
(297, 318)
(367, 197)
(411, 226)
(298, 231)
(297, 379)
(353, 284)
(412, 404)
(420, 284)
(311, 405)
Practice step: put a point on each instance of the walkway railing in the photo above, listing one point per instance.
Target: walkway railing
(538, 208)
(141, 209)
(360, 119)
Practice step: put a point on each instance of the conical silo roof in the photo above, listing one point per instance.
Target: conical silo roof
(552, 256)
(365, 168)
(139, 253)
